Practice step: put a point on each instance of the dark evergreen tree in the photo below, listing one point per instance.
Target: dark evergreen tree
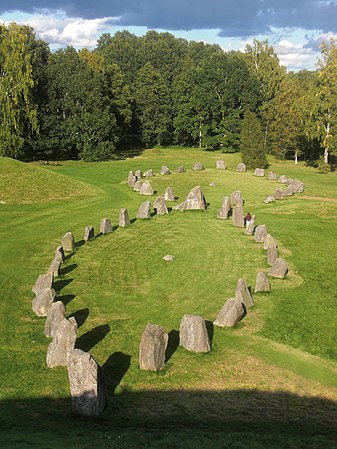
(253, 153)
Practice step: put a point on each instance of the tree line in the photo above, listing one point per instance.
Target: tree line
(161, 90)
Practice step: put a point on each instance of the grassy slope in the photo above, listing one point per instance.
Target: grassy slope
(117, 283)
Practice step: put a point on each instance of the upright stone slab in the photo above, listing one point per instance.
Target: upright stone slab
(168, 194)
(105, 226)
(193, 334)
(272, 176)
(262, 282)
(59, 254)
(54, 267)
(272, 254)
(180, 169)
(251, 226)
(164, 170)
(269, 241)
(198, 166)
(131, 179)
(68, 242)
(123, 219)
(160, 206)
(54, 317)
(236, 198)
(42, 282)
(138, 175)
(238, 219)
(43, 301)
(279, 194)
(231, 313)
(225, 209)
(283, 179)
(220, 165)
(269, 199)
(289, 190)
(146, 189)
(89, 233)
(144, 210)
(241, 168)
(260, 233)
(298, 186)
(137, 186)
(152, 348)
(259, 172)
(195, 200)
(242, 293)
(88, 388)
(279, 268)
(62, 344)
(148, 173)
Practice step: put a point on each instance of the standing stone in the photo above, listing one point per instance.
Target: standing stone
(123, 219)
(198, 166)
(272, 254)
(62, 344)
(259, 172)
(152, 348)
(225, 209)
(220, 165)
(260, 233)
(88, 388)
(269, 199)
(242, 293)
(279, 268)
(131, 179)
(251, 226)
(195, 200)
(289, 190)
(43, 301)
(137, 186)
(160, 206)
(236, 198)
(180, 169)
(238, 218)
(298, 186)
(283, 179)
(269, 241)
(59, 254)
(148, 173)
(89, 232)
(231, 313)
(193, 334)
(68, 242)
(164, 170)
(241, 167)
(279, 194)
(54, 267)
(105, 226)
(42, 282)
(54, 317)
(138, 175)
(168, 194)
(272, 175)
(144, 210)
(262, 282)
(146, 189)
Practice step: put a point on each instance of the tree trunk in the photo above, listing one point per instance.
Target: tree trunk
(326, 142)
(296, 161)
(200, 136)
(326, 155)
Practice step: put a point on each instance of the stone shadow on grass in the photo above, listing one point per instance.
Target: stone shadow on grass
(133, 220)
(210, 331)
(65, 298)
(172, 344)
(115, 369)
(91, 338)
(68, 269)
(80, 316)
(60, 284)
(79, 243)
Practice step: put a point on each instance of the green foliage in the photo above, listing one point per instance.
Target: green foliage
(251, 142)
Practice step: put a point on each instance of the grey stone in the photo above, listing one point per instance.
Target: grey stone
(54, 267)
(220, 165)
(289, 190)
(178, 206)
(260, 233)
(164, 170)
(42, 282)
(63, 343)
(168, 194)
(137, 186)
(152, 348)
(123, 219)
(269, 199)
(43, 301)
(160, 206)
(279, 268)
(225, 209)
(279, 194)
(180, 169)
(168, 258)
(262, 282)
(68, 242)
(238, 219)
(298, 186)
(259, 172)
(272, 254)
(88, 387)
(195, 200)
(193, 334)
(283, 179)
(212, 184)
(59, 253)
(251, 226)
(272, 175)
(144, 210)
(269, 241)
(198, 166)
(146, 189)
(105, 226)
(148, 173)
(131, 179)
(89, 232)
(231, 313)
(138, 175)
(54, 317)
(236, 198)
(242, 293)
(241, 167)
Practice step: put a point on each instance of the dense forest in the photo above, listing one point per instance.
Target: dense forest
(160, 90)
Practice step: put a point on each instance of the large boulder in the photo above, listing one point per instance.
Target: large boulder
(236, 198)
(148, 173)
(198, 166)
(146, 189)
(193, 334)
(269, 199)
(272, 254)
(241, 168)
(242, 293)
(259, 172)
(298, 186)
(195, 200)
(283, 179)
(279, 194)
(231, 313)
(105, 226)
(43, 301)
(59, 254)
(225, 209)
(54, 267)
(279, 268)
(137, 186)
(262, 282)
(123, 219)
(260, 233)
(164, 170)
(168, 194)
(152, 348)
(54, 317)
(250, 226)
(238, 219)
(88, 388)
(131, 179)
(289, 190)
(272, 175)
(89, 233)
(68, 242)
(180, 169)
(138, 175)
(220, 165)
(42, 282)
(144, 210)
(269, 241)
(63, 343)
(160, 206)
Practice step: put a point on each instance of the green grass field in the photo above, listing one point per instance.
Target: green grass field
(271, 382)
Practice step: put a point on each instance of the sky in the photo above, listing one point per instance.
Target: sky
(295, 28)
